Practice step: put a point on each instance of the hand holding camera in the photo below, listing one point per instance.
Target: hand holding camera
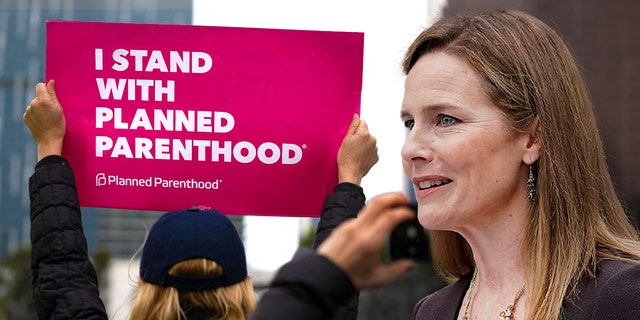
(409, 239)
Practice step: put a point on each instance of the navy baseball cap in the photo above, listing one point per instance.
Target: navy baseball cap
(194, 233)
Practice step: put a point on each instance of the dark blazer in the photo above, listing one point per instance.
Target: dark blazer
(613, 294)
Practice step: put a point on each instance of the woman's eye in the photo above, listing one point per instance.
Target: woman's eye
(409, 124)
(446, 120)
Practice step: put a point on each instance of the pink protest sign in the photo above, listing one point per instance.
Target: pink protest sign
(244, 120)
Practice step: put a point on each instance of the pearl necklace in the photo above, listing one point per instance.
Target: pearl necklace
(506, 314)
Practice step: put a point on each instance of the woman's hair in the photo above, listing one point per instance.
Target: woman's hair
(234, 302)
(577, 218)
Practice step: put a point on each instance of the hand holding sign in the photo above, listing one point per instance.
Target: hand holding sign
(358, 152)
(45, 120)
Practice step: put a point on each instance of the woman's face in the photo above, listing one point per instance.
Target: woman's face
(465, 164)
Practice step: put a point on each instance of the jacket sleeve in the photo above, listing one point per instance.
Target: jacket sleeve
(64, 281)
(308, 287)
(343, 204)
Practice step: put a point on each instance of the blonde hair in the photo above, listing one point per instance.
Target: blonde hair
(577, 218)
(233, 302)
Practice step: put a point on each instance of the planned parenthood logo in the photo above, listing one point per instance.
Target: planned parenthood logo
(103, 179)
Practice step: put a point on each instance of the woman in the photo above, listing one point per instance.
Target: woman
(509, 170)
(178, 279)
(186, 272)
(511, 181)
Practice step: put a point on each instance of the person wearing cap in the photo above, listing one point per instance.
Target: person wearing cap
(203, 279)
(193, 266)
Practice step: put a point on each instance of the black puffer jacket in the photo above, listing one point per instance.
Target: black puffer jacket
(64, 281)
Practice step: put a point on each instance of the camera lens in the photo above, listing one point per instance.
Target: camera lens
(412, 232)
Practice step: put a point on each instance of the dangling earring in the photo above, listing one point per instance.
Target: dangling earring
(531, 184)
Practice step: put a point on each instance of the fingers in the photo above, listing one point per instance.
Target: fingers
(389, 273)
(28, 109)
(358, 152)
(51, 86)
(400, 267)
(46, 94)
(52, 93)
(29, 112)
(357, 127)
(355, 245)
(379, 205)
(42, 92)
(46, 100)
(363, 126)
(45, 120)
(353, 127)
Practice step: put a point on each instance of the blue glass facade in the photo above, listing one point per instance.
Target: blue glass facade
(22, 65)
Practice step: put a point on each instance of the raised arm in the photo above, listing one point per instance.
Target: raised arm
(358, 153)
(64, 281)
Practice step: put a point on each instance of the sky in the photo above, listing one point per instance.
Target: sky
(389, 27)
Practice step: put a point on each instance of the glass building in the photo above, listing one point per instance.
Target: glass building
(22, 65)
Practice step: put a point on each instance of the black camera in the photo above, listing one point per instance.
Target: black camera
(409, 239)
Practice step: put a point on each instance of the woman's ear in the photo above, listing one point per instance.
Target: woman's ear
(532, 149)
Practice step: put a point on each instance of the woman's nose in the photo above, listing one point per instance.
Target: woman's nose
(416, 147)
